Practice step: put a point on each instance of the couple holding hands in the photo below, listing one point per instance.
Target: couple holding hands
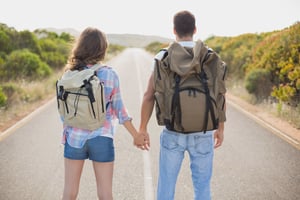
(98, 146)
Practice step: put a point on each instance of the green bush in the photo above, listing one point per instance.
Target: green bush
(154, 47)
(3, 98)
(55, 60)
(13, 92)
(28, 40)
(23, 64)
(47, 44)
(258, 83)
(114, 49)
(54, 52)
(4, 42)
(1, 66)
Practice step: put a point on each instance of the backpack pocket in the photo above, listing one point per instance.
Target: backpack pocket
(78, 114)
(78, 111)
(159, 108)
(195, 112)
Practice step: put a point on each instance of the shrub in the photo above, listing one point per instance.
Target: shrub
(154, 47)
(12, 91)
(54, 59)
(114, 49)
(258, 83)
(22, 64)
(3, 98)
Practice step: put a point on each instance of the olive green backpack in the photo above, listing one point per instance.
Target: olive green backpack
(189, 88)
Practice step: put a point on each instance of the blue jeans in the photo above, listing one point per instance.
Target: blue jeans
(200, 147)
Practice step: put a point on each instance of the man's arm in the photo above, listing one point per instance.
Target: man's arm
(221, 103)
(147, 107)
(219, 133)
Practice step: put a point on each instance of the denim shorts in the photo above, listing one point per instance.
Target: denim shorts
(99, 149)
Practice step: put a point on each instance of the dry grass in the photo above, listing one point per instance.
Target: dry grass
(282, 111)
(25, 98)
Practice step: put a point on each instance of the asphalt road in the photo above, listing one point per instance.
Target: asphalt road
(252, 164)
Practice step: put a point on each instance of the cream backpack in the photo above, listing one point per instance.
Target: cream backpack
(81, 99)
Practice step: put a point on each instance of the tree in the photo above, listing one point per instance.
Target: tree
(28, 40)
(4, 42)
(8, 36)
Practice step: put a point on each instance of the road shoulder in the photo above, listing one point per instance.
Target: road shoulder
(278, 126)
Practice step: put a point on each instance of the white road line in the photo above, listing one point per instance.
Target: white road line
(148, 181)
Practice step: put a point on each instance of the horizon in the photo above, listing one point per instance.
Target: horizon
(69, 30)
(153, 18)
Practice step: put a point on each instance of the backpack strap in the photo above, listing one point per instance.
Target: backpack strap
(161, 55)
(209, 107)
(61, 94)
(97, 67)
(89, 89)
(176, 109)
(57, 94)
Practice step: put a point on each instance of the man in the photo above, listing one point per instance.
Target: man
(173, 144)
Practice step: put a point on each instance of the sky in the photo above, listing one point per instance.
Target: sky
(152, 17)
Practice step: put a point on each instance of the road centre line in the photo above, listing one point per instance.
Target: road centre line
(148, 181)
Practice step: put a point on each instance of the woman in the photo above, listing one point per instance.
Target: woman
(81, 144)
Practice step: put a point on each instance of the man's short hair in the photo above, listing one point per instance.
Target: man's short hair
(184, 23)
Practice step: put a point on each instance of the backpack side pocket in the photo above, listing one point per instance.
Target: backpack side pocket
(159, 108)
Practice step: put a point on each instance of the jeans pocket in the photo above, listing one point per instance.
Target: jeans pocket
(203, 145)
(169, 141)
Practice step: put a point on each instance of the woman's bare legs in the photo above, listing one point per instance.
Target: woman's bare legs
(104, 175)
(73, 170)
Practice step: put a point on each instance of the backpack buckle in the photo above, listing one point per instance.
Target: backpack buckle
(62, 94)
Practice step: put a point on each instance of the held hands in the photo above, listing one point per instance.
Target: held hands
(142, 141)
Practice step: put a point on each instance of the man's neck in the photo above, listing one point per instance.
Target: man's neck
(183, 39)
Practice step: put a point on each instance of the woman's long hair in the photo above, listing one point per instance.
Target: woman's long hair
(89, 49)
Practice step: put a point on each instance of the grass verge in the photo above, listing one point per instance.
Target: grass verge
(24, 97)
(276, 109)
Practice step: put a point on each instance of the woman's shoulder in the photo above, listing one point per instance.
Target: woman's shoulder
(108, 71)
